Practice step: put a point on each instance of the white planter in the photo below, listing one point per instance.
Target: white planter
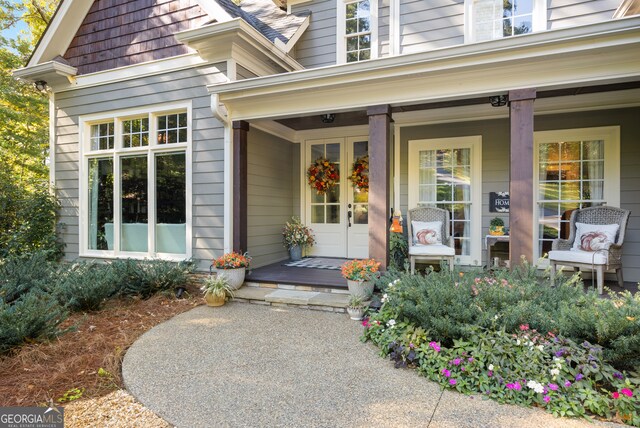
(235, 277)
(360, 288)
(355, 314)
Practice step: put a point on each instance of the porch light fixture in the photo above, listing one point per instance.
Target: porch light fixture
(40, 85)
(328, 118)
(499, 100)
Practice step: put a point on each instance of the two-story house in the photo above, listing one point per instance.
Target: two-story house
(185, 128)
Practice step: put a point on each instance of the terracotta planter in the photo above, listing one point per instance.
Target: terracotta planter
(235, 277)
(360, 288)
(214, 299)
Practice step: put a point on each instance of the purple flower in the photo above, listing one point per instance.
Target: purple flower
(489, 373)
(553, 387)
(515, 385)
(452, 382)
(579, 377)
(446, 372)
(456, 362)
(560, 352)
(470, 359)
(411, 345)
(435, 346)
(567, 384)
(618, 375)
(462, 368)
(546, 398)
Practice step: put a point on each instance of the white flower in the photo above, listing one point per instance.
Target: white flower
(537, 387)
(396, 281)
(384, 298)
(517, 341)
(540, 348)
(490, 366)
(391, 323)
(495, 317)
(554, 372)
(530, 344)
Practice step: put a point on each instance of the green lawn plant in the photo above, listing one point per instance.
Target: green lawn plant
(514, 338)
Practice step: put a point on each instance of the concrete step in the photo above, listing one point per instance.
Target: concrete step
(329, 301)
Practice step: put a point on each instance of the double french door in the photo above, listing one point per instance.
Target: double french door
(340, 216)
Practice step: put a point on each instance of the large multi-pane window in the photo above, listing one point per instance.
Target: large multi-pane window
(495, 19)
(136, 179)
(357, 29)
(572, 173)
(441, 174)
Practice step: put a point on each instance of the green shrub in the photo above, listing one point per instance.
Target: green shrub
(20, 275)
(145, 278)
(28, 221)
(398, 251)
(84, 286)
(33, 316)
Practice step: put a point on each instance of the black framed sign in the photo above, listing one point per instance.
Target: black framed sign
(499, 202)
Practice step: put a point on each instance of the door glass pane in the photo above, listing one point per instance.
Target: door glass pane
(360, 196)
(571, 173)
(317, 214)
(333, 214)
(321, 212)
(133, 234)
(101, 204)
(171, 208)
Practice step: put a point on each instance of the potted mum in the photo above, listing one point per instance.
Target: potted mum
(296, 237)
(496, 227)
(232, 266)
(216, 290)
(359, 275)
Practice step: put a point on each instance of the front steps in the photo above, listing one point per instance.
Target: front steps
(300, 296)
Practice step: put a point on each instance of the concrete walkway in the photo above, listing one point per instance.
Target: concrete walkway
(259, 366)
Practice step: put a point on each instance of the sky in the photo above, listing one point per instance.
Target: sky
(11, 33)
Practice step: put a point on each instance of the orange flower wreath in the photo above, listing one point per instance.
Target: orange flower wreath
(322, 175)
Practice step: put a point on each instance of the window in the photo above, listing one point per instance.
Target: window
(357, 30)
(446, 173)
(575, 169)
(495, 19)
(134, 193)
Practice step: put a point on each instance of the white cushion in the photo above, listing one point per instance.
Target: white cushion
(431, 250)
(593, 237)
(426, 232)
(579, 256)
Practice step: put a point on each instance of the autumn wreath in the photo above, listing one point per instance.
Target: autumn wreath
(360, 174)
(322, 175)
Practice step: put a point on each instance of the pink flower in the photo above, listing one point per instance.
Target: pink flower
(446, 372)
(504, 282)
(456, 362)
(365, 322)
(489, 373)
(567, 384)
(411, 345)
(524, 327)
(452, 382)
(553, 387)
(515, 385)
(627, 392)
(615, 395)
(435, 346)
(546, 398)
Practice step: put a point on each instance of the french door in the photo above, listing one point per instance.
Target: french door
(340, 216)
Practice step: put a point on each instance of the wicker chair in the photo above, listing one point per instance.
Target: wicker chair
(602, 260)
(444, 251)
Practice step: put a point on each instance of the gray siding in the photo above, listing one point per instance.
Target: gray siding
(317, 46)
(495, 162)
(296, 176)
(242, 73)
(569, 13)
(430, 25)
(207, 149)
(270, 196)
(384, 22)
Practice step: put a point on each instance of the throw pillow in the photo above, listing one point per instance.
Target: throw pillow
(594, 237)
(426, 232)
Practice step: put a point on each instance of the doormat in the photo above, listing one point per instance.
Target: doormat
(318, 263)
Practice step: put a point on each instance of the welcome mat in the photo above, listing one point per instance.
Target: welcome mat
(318, 263)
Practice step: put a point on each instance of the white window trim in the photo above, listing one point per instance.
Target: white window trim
(341, 44)
(85, 154)
(475, 144)
(539, 18)
(611, 137)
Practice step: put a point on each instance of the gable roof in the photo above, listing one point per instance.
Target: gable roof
(271, 21)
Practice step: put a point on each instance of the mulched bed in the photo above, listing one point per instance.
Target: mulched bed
(88, 358)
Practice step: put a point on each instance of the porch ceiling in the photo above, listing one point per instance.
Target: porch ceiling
(604, 53)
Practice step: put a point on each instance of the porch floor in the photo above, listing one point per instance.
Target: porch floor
(279, 273)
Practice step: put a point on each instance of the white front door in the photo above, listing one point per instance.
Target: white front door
(338, 217)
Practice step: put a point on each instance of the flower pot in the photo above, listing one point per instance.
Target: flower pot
(235, 277)
(214, 299)
(360, 288)
(295, 253)
(496, 231)
(355, 313)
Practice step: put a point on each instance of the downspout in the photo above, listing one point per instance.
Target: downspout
(220, 114)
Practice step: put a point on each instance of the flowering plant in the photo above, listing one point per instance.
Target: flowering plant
(295, 233)
(323, 175)
(232, 260)
(360, 174)
(360, 270)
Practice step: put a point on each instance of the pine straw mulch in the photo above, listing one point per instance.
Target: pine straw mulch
(87, 359)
